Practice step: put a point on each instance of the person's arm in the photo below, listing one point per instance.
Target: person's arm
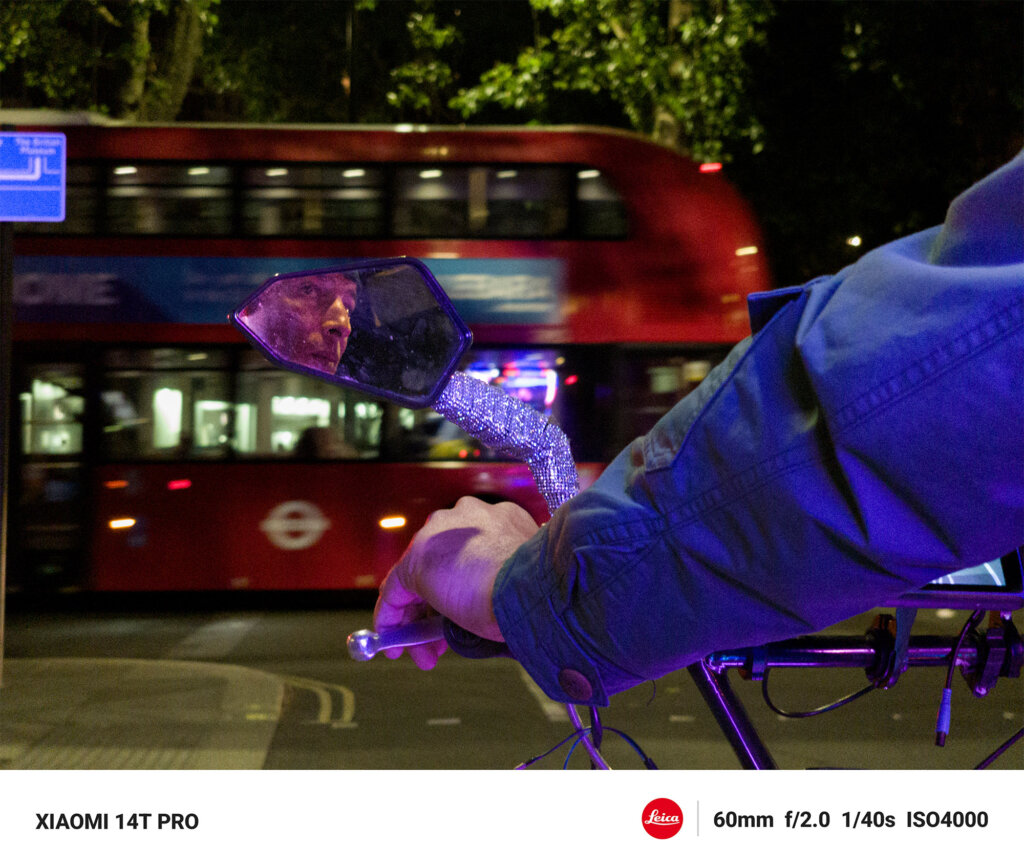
(867, 439)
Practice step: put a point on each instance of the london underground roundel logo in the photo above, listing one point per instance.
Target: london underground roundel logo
(295, 525)
(662, 818)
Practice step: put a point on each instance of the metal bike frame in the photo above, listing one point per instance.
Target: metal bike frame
(711, 676)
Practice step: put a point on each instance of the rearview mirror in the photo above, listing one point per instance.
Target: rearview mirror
(382, 326)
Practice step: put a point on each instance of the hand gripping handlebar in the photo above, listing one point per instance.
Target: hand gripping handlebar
(512, 428)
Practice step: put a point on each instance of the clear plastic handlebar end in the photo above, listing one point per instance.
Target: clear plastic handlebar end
(363, 645)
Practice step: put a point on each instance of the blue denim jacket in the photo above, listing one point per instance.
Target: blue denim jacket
(867, 438)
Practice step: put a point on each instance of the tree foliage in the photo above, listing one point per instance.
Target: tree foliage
(316, 61)
(422, 86)
(128, 58)
(677, 70)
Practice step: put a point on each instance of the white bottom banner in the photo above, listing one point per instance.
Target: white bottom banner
(503, 818)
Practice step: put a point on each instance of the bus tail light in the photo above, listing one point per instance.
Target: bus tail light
(392, 522)
(121, 523)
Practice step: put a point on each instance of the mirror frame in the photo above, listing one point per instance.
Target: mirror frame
(463, 334)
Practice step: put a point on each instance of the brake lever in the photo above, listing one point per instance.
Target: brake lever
(366, 644)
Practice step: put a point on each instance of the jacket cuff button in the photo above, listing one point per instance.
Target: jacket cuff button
(575, 685)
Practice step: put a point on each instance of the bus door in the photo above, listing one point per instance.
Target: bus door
(49, 509)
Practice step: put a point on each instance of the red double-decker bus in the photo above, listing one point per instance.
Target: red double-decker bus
(602, 276)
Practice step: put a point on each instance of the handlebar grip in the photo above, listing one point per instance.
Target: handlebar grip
(467, 644)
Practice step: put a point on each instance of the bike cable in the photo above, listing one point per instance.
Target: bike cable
(942, 726)
(999, 751)
(832, 706)
(575, 734)
(946, 703)
(583, 733)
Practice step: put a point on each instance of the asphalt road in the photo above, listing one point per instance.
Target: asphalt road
(489, 714)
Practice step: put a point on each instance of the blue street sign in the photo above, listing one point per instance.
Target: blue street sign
(32, 176)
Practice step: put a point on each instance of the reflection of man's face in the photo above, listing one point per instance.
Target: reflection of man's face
(311, 315)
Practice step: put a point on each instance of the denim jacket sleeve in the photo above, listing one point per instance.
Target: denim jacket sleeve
(867, 438)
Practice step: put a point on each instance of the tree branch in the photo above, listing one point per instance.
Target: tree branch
(139, 51)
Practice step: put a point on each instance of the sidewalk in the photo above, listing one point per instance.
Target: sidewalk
(73, 713)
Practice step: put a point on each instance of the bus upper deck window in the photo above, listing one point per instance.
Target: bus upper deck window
(431, 201)
(313, 199)
(526, 202)
(600, 210)
(481, 201)
(168, 199)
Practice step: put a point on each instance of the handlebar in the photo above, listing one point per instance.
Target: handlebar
(983, 656)
(837, 652)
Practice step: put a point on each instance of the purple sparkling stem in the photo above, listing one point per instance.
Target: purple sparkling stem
(512, 428)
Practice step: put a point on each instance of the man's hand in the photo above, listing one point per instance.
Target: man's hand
(450, 567)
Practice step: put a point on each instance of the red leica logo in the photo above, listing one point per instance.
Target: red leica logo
(662, 818)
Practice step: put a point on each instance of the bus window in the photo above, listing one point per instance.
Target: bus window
(573, 385)
(431, 201)
(283, 415)
(530, 374)
(52, 408)
(526, 202)
(80, 206)
(343, 201)
(168, 199)
(658, 380)
(423, 435)
(601, 212)
(480, 201)
(166, 403)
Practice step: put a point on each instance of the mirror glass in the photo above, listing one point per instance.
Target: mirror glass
(382, 326)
